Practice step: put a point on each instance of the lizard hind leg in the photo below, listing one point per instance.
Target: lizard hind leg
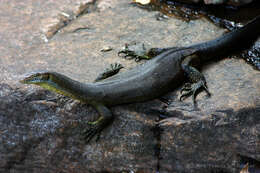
(96, 127)
(196, 78)
(139, 51)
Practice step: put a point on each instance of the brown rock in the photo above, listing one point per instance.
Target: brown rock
(41, 133)
(223, 131)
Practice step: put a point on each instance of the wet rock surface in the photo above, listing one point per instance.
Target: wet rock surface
(230, 2)
(40, 131)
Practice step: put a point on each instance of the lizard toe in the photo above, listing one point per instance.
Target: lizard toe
(89, 133)
(192, 90)
(185, 94)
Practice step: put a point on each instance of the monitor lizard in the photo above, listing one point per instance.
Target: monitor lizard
(150, 80)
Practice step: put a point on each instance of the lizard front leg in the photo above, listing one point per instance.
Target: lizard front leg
(114, 69)
(96, 127)
(196, 78)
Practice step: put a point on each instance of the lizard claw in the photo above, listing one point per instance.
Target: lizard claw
(95, 129)
(127, 54)
(134, 52)
(115, 66)
(88, 134)
(192, 89)
(114, 69)
(186, 87)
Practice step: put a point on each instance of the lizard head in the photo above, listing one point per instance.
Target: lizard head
(52, 81)
(37, 78)
(47, 80)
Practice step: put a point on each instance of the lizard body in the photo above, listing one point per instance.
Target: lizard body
(150, 80)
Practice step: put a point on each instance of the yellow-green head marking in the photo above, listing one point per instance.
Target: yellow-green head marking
(37, 78)
(51, 81)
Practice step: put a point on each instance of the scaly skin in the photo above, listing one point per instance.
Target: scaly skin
(150, 80)
(114, 69)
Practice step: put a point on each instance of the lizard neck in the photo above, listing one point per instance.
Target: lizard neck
(68, 87)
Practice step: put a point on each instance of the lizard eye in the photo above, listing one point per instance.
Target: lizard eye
(40, 77)
(36, 78)
(45, 77)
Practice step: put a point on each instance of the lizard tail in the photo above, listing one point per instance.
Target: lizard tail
(234, 41)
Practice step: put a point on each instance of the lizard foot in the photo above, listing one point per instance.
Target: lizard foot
(95, 129)
(139, 51)
(114, 69)
(192, 89)
(133, 51)
(196, 78)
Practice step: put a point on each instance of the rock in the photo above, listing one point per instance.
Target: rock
(225, 129)
(42, 135)
(40, 131)
(217, 143)
(231, 2)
